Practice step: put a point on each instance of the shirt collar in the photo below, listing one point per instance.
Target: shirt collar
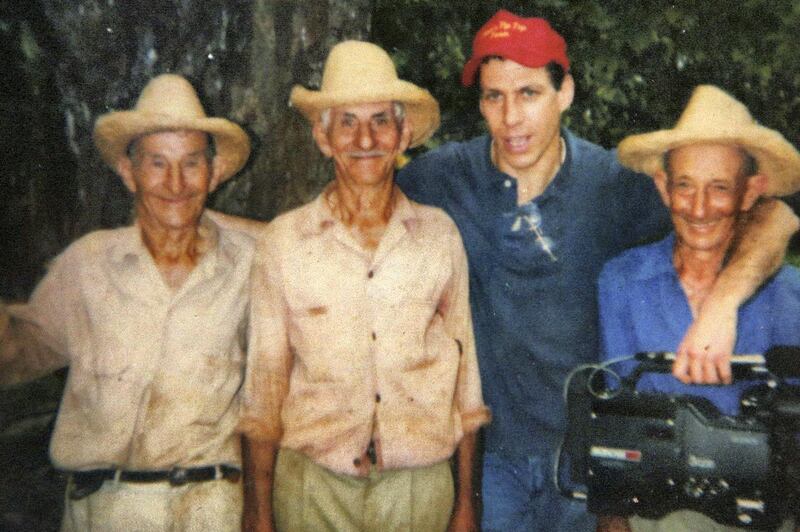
(129, 248)
(320, 217)
(659, 263)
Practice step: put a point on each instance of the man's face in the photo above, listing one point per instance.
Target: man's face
(705, 192)
(170, 175)
(363, 140)
(523, 112)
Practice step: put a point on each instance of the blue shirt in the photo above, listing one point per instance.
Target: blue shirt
(643, 308)
(533, 271)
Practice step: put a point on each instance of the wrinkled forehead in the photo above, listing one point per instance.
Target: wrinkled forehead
(721, 160)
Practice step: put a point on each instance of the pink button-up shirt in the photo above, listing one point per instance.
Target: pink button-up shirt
(347, 345)
(154, 375)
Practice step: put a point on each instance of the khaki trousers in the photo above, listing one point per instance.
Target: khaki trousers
(310, 498)
(688, 521)
(214, 505)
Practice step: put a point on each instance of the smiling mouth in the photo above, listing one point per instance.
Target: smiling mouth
(702, 227)
(366, 154)
(176, 201)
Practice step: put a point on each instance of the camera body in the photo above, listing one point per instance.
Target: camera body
(649, 454)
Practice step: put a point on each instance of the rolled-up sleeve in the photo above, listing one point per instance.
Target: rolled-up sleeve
(455, 309)
(269, 359)
(33, 335)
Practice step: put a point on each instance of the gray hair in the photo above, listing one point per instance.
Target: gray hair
(398, 109)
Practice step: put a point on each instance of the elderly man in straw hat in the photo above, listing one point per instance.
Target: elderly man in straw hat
(362, 374)
(150, 320)
(709, 170)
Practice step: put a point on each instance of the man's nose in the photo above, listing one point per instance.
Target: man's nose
(175, 179)
(699, 204)
(366, 137)
(511, 112)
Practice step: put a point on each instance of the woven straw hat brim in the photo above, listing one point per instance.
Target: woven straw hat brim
(776, 157)
(113, 133)
(422, 109)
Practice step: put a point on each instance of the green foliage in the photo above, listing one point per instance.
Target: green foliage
(634, 63)
(793, 259)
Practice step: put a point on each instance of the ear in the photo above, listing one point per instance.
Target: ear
(405, 136)
(321, 138)
(218, 168)
(755, 186)
(661, 180)
(566, 93)
(124, 168)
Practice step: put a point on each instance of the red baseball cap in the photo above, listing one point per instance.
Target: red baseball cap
(531, 42)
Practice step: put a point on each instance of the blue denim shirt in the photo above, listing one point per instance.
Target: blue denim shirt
(643, 308)
(533, 271)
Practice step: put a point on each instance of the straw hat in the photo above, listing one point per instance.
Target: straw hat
(714, 116)
(361, 72)
(169, 102)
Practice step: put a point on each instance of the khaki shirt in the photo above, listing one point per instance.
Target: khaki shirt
(154, 374)
(347, 345)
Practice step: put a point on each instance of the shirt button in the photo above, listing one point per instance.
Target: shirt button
(377, 398)
(374, 336)
(507, 183)
(370, 274)
(357, 462)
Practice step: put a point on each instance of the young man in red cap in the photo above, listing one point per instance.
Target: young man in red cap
(540, 210)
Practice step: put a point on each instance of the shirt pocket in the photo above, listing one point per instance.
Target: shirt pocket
(326, 335)
(210, 384)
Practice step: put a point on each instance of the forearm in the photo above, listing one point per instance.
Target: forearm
(757, 254)
(466, 464)
(258, 464)
(463, 519)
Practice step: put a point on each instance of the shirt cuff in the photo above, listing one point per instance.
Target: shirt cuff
(472, 421)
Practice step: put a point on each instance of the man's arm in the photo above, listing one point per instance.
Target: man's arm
(704, 354)
(468, 397)
(265, 385)
(258, 464)
(34, 335)
(463, 519)
(24, 354)
(455, 310)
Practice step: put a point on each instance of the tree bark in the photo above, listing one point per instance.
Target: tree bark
(89, 57)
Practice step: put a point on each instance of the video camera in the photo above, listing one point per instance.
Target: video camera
(649, 454)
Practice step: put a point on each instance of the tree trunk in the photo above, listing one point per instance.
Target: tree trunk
(79, 59)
